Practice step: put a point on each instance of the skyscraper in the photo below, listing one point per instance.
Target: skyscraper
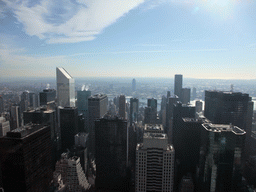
(153, 104)
(97, 108)
(193, 93)
(221, 153)
(82, 100)
(134, 109)
(185, 95)
(227, 107)
(230, 107)
(15, 117)
(122, 106)
(178, 85)
(24, 101)
(65, 88)
(48, 95)
(4, 126)
(26, 159)
(69, 172)
(1, 104)
(154, 163)
(68, 126)
(133, 85)
(111, 153)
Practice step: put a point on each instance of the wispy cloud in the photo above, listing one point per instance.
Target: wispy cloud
(15, 61)
(69, 21)
(148, 51)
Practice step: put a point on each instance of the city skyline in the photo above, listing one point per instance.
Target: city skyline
(199, 39)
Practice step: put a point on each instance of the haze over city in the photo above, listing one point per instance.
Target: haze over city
(199, 39)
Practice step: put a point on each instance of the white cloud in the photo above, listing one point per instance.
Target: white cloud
(68, 21)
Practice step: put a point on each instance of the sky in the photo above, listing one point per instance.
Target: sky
(209, 39)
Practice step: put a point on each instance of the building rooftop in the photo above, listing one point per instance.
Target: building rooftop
(155, 135)
(24, 130)
(223, 128)
(187, 119)
(97, 96)
(64, 72)
(153, 127)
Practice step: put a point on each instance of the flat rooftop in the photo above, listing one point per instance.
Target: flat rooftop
(97, 96)
(223, 128)
(153, 127)
(155, 135)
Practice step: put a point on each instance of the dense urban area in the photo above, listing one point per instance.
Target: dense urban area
(127, 134)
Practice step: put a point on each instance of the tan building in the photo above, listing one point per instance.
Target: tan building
(154, 163)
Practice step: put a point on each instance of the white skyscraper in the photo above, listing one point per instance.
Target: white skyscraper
(154, 163)
(65, 88)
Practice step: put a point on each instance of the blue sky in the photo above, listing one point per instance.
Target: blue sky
(213, 39)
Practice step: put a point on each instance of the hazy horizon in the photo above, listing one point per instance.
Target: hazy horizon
(199, 39)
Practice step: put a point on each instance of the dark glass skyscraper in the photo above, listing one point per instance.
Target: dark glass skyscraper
(122, 106)
(227, 107)
(220, 157)
(82, 100)
(68, 126)
(48, 95)
(97, 108)
(26, 159)
(178, 85)
(134, 109)
(111, 153)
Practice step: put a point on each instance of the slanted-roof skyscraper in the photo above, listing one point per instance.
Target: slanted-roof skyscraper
(65, 88)
(178, 85)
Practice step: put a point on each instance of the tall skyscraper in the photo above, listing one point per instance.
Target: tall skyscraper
(185, 95)
(231, 107)
(24, 101)
(68, 126)
(97, 108)
(193, 93)
(153, 104)
(122, 106)
(227, 107)
(65, 88)
(169, 114)
(186, 141)
(134, 109)
(178, 85)
(133, 85)
(46, 116)
(1, 104)
(33, 100)
(154, 163)
(221, 153)
(199, 106)
(69, 172)
(15, 117)
(111, 153)
(82, 100)
(48, 95)
(26, 159)
(4, 126)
